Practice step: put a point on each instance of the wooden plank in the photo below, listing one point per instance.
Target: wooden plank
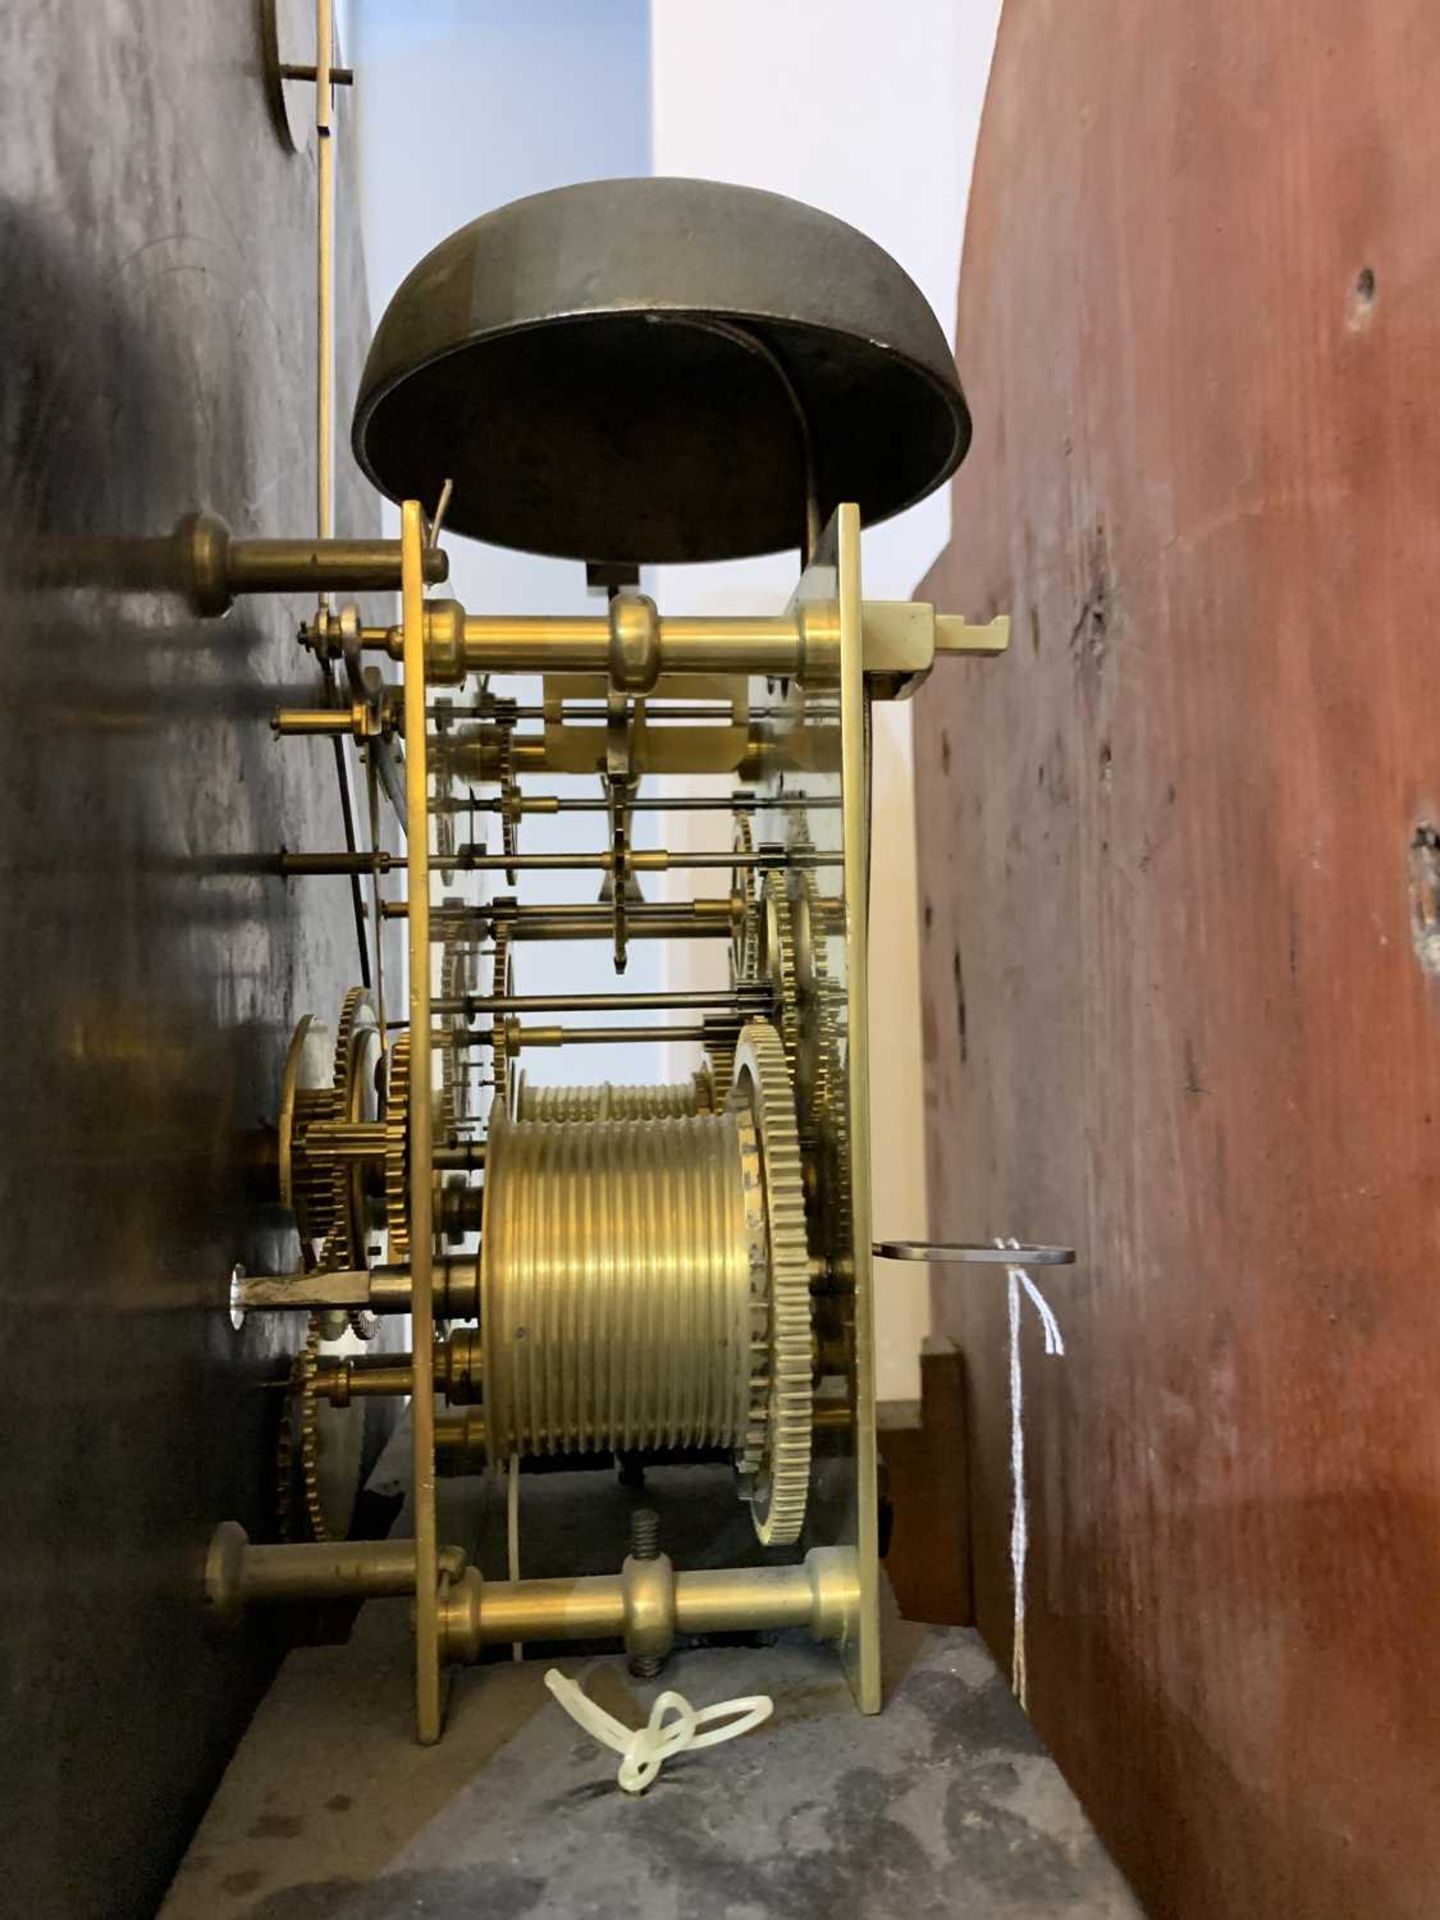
(1174, 1009)
(926, 1477)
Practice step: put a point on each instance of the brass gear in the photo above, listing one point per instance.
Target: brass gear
(776, 1459)
(325, 1192)
(777, 960)
(345, 1243)
(821, 1083)
(720, 1038)
(500, 978)
(509, 802)
(397, 1152)
(301, 1414)
(745, 941)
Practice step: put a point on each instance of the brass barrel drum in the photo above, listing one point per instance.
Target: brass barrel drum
(644, 1282)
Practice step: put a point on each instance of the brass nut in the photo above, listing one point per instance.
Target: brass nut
(444, 642)
(649, 1591)
(225, 1571)
(461, 1602)
(203, 544)
(834, 1593)
(634, 643)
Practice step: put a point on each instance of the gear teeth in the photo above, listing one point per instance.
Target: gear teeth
(302, 1415)
(779, 956)
(397, 1152)
(340, 1249)
(499, 1042)
(745, 945)
(781, 1385)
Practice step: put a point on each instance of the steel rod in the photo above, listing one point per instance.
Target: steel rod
(643, 860)
(551, 803)
(381, 1290)
(318, 566)
(722, 1000)
(713, 918)
(518, 1037)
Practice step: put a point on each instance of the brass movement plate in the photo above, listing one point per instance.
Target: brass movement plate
(815, 755)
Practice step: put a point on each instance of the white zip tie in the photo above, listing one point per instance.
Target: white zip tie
(1020, 1281)
(674, 1727)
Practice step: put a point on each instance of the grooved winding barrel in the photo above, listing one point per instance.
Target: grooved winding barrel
(606, 1101)
(616, 1282)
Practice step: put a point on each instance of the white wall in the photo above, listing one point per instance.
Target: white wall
(869, 111)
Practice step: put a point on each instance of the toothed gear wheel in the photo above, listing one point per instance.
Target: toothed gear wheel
(781, 1379)
(301, 1414)
(720, 1039)
(345, 1242)
(822, 1085)
(500, 980)
(777, 960)
(397, 1152)
(305, 1099)
(509, 804)
(309, 1359)
(745, 942)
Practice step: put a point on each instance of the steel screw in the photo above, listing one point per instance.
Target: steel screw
(645, 1545)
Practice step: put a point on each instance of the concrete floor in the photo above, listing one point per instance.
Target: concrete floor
(944, 1804)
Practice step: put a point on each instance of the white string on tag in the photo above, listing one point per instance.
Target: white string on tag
(1022, 1286)
(674, 1727)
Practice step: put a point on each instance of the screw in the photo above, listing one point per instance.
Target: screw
(645, 1545)
(644, 1534)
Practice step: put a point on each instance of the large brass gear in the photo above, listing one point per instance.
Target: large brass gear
(777, 1459)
